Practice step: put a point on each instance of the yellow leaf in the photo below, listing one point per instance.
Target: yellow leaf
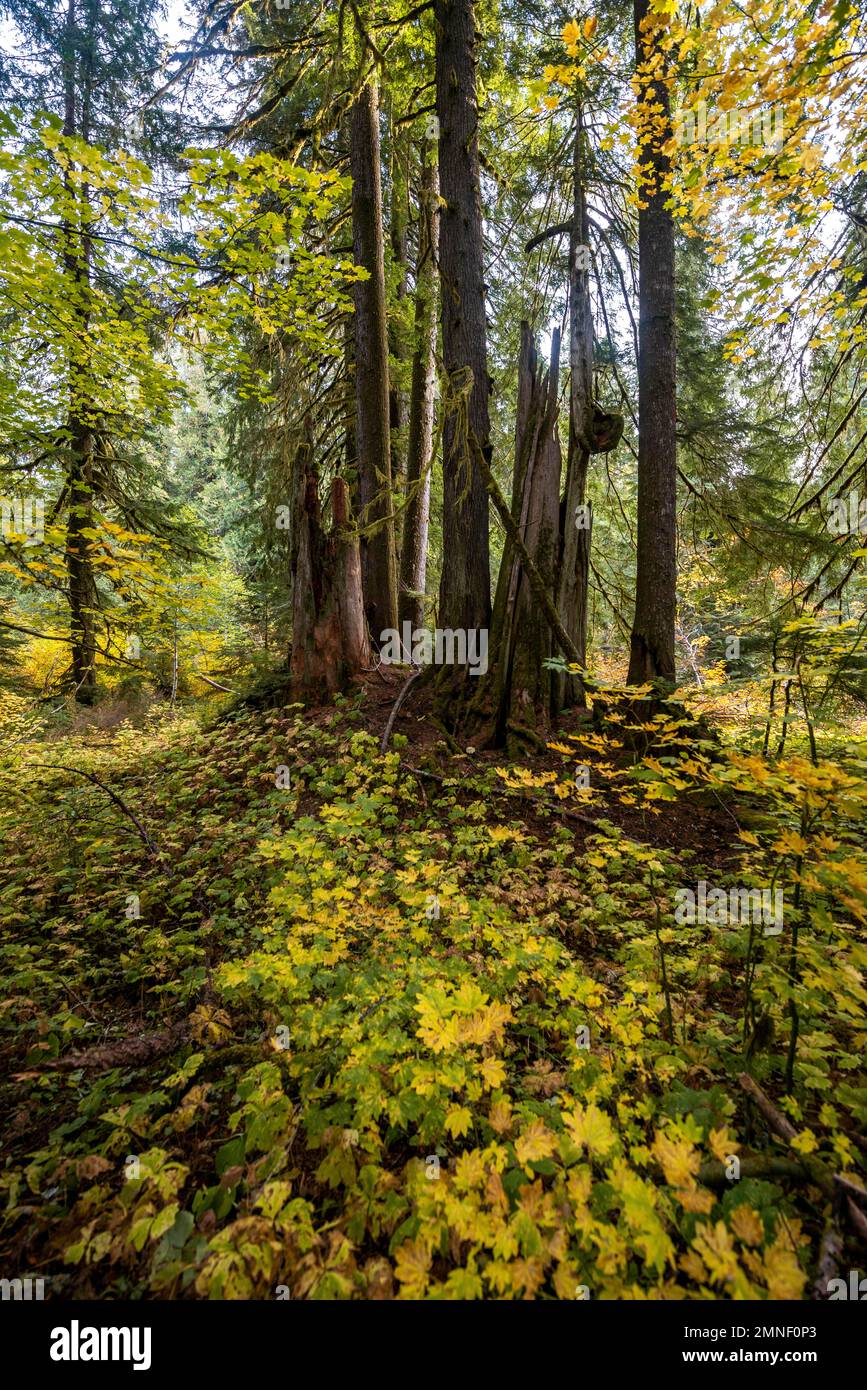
(784, 1277)
(805, 1142)
(747, 1225)
(535, 1143)
(493, 1072)
(696, 1199)
(591, 1129)
(458, 1121)
(412, 1262)
(469, 1171)
(714, 1245)
(678, 1158)
(721, 1144)
(790, 842)
(500, 1117)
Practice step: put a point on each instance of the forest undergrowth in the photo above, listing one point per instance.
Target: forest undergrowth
(287, 1016)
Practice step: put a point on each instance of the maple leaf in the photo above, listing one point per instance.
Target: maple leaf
(747, 1224)
(500, 1117)
(458, 1121)
(790, 842)
(469, 1170)
(692, 1265)
(493, 1072)
(210, 1024)
(412, 1263)
(714, 1245)
(591, 1128)
(721, 1144)
(696, 1199)
(783, 1275)
(464, 1284)
(678, 1158)
(805, 1142)
(536, 1142)
(495, 1193)
(542, 1079)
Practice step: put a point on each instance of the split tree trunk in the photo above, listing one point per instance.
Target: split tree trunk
(523, 687)
(330, 643)
(371, 369)
(652, 647)
(413, 572)
(465, 588)
(574, 573)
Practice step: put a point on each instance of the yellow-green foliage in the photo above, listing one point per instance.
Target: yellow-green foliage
(434, 1048)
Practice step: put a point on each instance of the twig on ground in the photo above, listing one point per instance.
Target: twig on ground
(118, 801)
(404, 691)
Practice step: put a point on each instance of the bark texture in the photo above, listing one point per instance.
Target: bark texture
(413, 571)
(652, 646)
(574, 572)
(373, 440)
(330, 643)
(397, 396)
(81, 583)
(523, 687)
(465, 588)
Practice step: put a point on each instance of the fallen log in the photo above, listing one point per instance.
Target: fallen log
(829, 1183)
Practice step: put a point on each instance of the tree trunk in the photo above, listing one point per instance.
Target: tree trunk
(507, 576)
(397, 403)
(330, 644)
(574, 573)
(413, 570)
(652, 648)
(350, 443)
(465, 587)
(371, 370)
(81, 586)
(528, 640)
(521, 687)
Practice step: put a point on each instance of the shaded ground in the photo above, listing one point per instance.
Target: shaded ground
(432, 943)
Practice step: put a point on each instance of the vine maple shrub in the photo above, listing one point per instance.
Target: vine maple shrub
(532, 1091)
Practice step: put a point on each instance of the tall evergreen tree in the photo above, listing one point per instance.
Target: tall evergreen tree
(652, 646)
(91, 64)
(465, 586)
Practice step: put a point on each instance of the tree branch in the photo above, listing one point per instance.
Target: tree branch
(62, 767)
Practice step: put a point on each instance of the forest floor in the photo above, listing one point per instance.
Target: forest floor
(290, 1017)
